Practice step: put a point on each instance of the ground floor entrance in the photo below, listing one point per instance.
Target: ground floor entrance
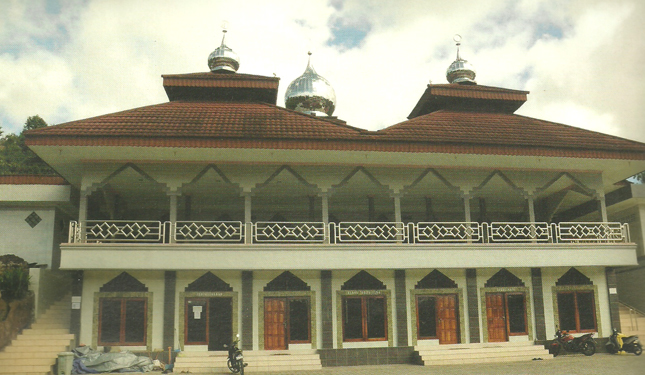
(286, 321)
(438, 318)
(209, 322)
(506, 315)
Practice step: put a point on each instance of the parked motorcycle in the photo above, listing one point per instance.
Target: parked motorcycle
(235, 360)
(565, 341)
(631, 344)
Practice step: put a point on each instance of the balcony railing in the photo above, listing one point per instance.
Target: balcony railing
(115, 231)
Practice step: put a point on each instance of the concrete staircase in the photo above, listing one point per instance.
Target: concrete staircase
(258, 361)
(34, 352)
(631, 322)
(437, 355)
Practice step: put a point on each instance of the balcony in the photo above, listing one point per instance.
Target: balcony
(236, 232)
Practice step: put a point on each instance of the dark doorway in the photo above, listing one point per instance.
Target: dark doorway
(209, 321)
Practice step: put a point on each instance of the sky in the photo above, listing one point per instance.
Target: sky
(583, 61)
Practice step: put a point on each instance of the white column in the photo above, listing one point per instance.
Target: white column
(247, 218)
(172, 216)
(82, 214)
(397, 213)
(325, 214)
(603, 207)
(466, 197)
(531, 204)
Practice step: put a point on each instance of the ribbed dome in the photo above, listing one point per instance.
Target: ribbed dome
(461, 71)
(310, 93)
(223, 59)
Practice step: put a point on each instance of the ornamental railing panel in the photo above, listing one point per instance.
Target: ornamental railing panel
(265, 231)
(74, 232)
(448, 232)
(123, 231)
(592, 232)
(519, 232)
(208, 231)
(387, 232)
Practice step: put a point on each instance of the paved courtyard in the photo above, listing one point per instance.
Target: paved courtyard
(570, 364)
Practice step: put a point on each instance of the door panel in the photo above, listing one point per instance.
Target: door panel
(448, 321)
(220, 318)
(196, 324)
(496, 317)
(274, 323)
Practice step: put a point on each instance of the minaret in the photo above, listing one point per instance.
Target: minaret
(460, 71)
(311, 93)
(223, 59)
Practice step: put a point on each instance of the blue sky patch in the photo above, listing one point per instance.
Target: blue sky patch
(347, 35)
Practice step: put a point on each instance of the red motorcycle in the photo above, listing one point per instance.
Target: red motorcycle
(565, 341)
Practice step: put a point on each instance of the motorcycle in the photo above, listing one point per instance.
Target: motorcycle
(565, 341)
(235, 360)
(631, 344)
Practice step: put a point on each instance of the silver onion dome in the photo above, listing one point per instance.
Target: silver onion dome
(223, 59)
(461, 71)
(310, 93)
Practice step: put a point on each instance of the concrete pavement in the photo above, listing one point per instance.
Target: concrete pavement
(599, 363)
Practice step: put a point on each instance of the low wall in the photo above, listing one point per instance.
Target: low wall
(48, 286)
(631, 289)
(20, 316)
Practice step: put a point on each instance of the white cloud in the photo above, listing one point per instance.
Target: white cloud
(582, 60)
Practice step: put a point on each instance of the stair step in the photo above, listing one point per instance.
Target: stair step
(36, 342)
(40, 325)
(24, 369)
(54, 337)
(29, 355)
(36, 348)
(26, 361)
(45, 331)
(457, 361)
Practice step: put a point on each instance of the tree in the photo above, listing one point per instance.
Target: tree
(17, 158)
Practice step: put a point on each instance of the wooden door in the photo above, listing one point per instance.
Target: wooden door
(496, 317)
(275, 323)
(447, 319)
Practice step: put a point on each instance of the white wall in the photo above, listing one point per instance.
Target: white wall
(19, 238)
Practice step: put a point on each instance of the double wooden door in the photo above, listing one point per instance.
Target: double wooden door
(286, 320)
(505, 315)
(438, 318)
(209, 322)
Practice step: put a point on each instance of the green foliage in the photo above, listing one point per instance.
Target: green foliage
(14, 286)
(17, 158)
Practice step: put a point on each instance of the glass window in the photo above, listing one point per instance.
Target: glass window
(427, 317)
(364, 318)
(298, 320)
(577, 311)
(122, 321)
(516, 314)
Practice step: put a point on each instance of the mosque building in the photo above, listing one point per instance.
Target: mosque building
(220, 213)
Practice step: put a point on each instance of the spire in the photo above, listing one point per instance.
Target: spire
(223, 59)
(460, 71)
(311, 93)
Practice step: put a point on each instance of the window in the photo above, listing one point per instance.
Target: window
(427, 321)
(122, 321)
(577, 311)
(364, 318)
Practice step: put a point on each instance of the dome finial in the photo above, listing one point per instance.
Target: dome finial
(460, 71)
(223, 59)
(310, 93)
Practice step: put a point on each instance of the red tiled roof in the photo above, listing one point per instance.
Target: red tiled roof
(232, 80)
(502, 129)
(32, 180)
(477, 92)
(259, 125)
(204, 120)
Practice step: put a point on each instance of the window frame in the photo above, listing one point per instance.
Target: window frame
(122, 321)
(508, 315)
(364, 317)
(307, 300)
(576, 311)
(433, 297)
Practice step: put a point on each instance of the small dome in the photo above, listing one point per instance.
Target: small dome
(223, 59)
(461, 71)
(310, 93)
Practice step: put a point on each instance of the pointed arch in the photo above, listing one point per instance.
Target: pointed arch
(436, 280)
(124, 282)
(121, 169)
(286, 281)
(208, 282)
(292, 172)
(435, 173)
(363, 280)
(582, 189)
(504, 278)
(573, 277)
(205, 170)
(351, 174)
(503, 177)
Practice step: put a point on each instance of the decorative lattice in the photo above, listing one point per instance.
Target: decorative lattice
(591, 232)
(208, 231)
(519, 232)
(124, 231)
(371, 232)
(448, 232)
(289, 232)
(33, 219)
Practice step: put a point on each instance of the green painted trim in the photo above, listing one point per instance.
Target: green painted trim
(515, 289)
(339, 311)
(182, 311)
(575, 288)
(298, 293)
(95, 317)
(433, 292)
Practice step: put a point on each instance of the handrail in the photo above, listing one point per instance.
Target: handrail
(100, 231)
